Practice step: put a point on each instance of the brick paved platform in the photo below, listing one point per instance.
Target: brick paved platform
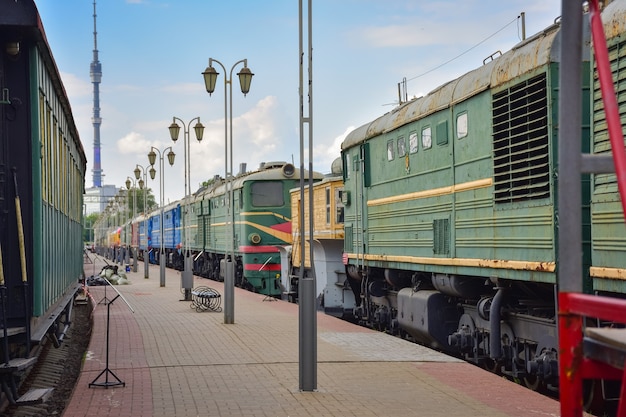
(175, 361)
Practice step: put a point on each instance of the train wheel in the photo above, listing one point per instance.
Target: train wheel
(532, 382)
(491, 365)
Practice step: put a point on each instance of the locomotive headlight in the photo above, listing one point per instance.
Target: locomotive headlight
(255, 238)
(288, 170)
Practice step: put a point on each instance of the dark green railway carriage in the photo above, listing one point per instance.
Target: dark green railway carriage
(259, 223)
(451, 212)
(42, 171)
(42, 156)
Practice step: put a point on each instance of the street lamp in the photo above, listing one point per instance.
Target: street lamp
(131, 182)
(245, 78)
(144, 182)
(152, 160)
(187, 275)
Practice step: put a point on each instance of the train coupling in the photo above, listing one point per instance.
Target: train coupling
(545, 366)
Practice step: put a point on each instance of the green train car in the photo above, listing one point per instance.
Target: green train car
(608, 234)
(259, 223)
(42, 166)
(451, 219)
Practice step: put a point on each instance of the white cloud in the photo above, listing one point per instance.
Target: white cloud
(76, 87)
(133, 143)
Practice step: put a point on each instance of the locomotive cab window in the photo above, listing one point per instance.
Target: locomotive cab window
(461, 125)
(267, 194)
(413, 142)
(427, 140)
(390, 155)
(401, 147)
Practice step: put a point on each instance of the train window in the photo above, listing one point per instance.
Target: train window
(427, 141)
(401, 146)
(413, 142)
(327, 205)
(339, 205)
(390, 150)
(442, 132)
(461, 125)
(267, 194)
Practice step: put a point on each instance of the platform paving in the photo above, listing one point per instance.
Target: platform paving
(175, 361)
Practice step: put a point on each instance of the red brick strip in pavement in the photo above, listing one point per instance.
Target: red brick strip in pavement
(127, 361)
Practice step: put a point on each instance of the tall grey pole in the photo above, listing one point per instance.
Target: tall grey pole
(134, 251)
(229, 256)
(152, 160)
(569, 193)
(306, 285)
(162, 250)
(187, 275)
(229, 272)
(138, 172)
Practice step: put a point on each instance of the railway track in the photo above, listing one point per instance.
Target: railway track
(58, 368)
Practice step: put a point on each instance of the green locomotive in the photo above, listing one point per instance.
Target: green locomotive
(259, 222)
(451, 220)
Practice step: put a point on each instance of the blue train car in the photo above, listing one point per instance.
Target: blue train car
(172, 234)
(154, 236)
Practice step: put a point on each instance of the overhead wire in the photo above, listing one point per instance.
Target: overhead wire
(466, 51)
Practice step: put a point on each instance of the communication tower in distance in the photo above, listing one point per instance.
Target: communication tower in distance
(96, 76)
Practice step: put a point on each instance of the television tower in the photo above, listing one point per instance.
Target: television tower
(96, 76)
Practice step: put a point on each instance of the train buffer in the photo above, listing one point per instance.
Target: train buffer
(206, 299)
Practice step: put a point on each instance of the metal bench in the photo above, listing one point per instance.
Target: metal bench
(206, 299)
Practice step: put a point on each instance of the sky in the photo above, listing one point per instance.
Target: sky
(153, 53)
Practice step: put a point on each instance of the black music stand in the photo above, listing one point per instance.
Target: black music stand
(106, 371)
(105, 300)
(268, 297)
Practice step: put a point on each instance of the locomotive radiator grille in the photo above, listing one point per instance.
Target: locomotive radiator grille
(520, 142)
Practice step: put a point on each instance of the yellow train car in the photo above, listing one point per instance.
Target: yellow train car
(114, 238)
(334, 294)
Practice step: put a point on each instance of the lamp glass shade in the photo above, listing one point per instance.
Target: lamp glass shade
(141, 184)
(174, 131)
(170, 157)
(152, 157)
(152, 173)
(210, 78)
(128, 184)
(137, 172)
(245, 79)
(199, 129)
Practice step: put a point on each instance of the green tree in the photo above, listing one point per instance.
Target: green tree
(88, 227)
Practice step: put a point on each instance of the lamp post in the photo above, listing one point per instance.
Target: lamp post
(152, 160)
(245, 78)
(129, 182)
(144, 182)
(174, 128)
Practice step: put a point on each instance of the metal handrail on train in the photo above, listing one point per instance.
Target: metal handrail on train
(574, 362)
